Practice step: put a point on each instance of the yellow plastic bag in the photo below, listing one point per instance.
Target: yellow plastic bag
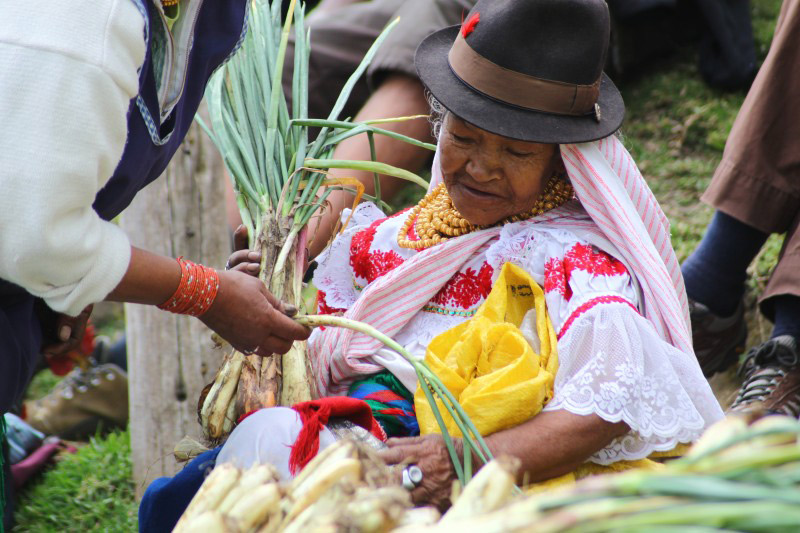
(489, 366)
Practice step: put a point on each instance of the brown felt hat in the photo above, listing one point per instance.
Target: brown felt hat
(526, 69)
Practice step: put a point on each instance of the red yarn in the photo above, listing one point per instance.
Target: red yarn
(316, 413)
(469, 26)
(196, 291)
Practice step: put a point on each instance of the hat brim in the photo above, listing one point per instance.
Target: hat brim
(505, 119)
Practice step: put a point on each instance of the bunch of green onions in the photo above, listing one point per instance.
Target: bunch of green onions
(740, 476)
(275, 169)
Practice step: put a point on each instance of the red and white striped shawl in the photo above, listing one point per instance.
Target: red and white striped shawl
(622, 213)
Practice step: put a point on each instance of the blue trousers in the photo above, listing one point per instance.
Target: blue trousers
(168, 497)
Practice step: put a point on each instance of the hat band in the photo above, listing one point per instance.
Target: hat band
(519, 89)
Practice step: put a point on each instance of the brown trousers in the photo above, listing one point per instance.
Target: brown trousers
(758, 179)
(341, 37)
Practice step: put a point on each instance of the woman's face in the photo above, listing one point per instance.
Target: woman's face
(490, 177)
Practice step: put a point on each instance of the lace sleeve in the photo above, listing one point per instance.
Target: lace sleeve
(334, 275)
(612, 363)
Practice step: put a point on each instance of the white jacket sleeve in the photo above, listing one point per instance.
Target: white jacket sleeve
(69, 71)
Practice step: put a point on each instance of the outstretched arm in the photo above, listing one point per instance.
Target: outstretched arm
(548, 445)
(62, 142)
(243, 313)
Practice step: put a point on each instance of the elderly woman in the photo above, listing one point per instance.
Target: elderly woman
(527, 172)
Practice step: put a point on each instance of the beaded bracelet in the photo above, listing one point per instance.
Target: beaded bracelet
(196, 290)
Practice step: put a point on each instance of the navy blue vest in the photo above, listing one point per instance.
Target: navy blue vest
(219, 28)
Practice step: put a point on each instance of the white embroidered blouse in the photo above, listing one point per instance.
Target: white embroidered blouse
(612, 363)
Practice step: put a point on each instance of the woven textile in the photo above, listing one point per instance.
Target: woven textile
(391, 403)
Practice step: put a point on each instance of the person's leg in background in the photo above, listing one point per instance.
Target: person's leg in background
(756, 191)
(715, 276)
(772, 369)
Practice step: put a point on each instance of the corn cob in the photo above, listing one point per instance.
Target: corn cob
(490, 489)
(343, 449)
(211, 493)
(259, 506)
(216, 413)
(374, 510)
(418, 517)
(344, 471)
(252, 478)
(207, 522)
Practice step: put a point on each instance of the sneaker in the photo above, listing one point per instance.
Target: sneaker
(772, 378)
(718, 341)
(81, 402)
(21, 438)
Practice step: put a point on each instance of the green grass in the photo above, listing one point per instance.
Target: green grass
(91, 490)
(675, 128)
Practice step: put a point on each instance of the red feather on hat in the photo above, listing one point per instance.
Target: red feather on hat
(470, 24)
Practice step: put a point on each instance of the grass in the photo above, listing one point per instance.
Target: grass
(91, 490)
(676, 128)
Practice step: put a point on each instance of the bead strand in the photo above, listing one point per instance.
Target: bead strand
(436, 219)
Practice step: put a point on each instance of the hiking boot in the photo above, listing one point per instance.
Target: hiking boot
(718, 341)
(772, 378)
(82, 401)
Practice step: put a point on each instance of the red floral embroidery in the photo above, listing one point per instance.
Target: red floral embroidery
(558, 272)
(583, 257)
(379, 263)
(555, 279)
(371, 265)
(322, 305)
(465, 289)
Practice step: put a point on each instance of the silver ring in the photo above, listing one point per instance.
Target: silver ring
(228, 265)
(412, 477)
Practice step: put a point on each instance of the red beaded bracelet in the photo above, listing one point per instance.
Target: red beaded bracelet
(196, 290)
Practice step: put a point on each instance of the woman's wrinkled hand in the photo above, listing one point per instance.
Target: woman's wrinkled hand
(250, 318)
(430, 454)
(242, 259)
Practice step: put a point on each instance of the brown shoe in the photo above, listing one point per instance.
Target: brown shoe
(772, 378)
(718, 341)
(81, 402)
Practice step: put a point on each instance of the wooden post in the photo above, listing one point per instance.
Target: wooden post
(171, 357)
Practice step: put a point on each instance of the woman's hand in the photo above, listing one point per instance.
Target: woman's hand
(244, 313)
(251, 318)
(242, 259)
(430, 454)
(67, 333)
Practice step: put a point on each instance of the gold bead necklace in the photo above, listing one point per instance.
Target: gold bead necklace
(436, 219)
(169, 3)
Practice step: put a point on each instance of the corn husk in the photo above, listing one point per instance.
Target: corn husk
(344, 488)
